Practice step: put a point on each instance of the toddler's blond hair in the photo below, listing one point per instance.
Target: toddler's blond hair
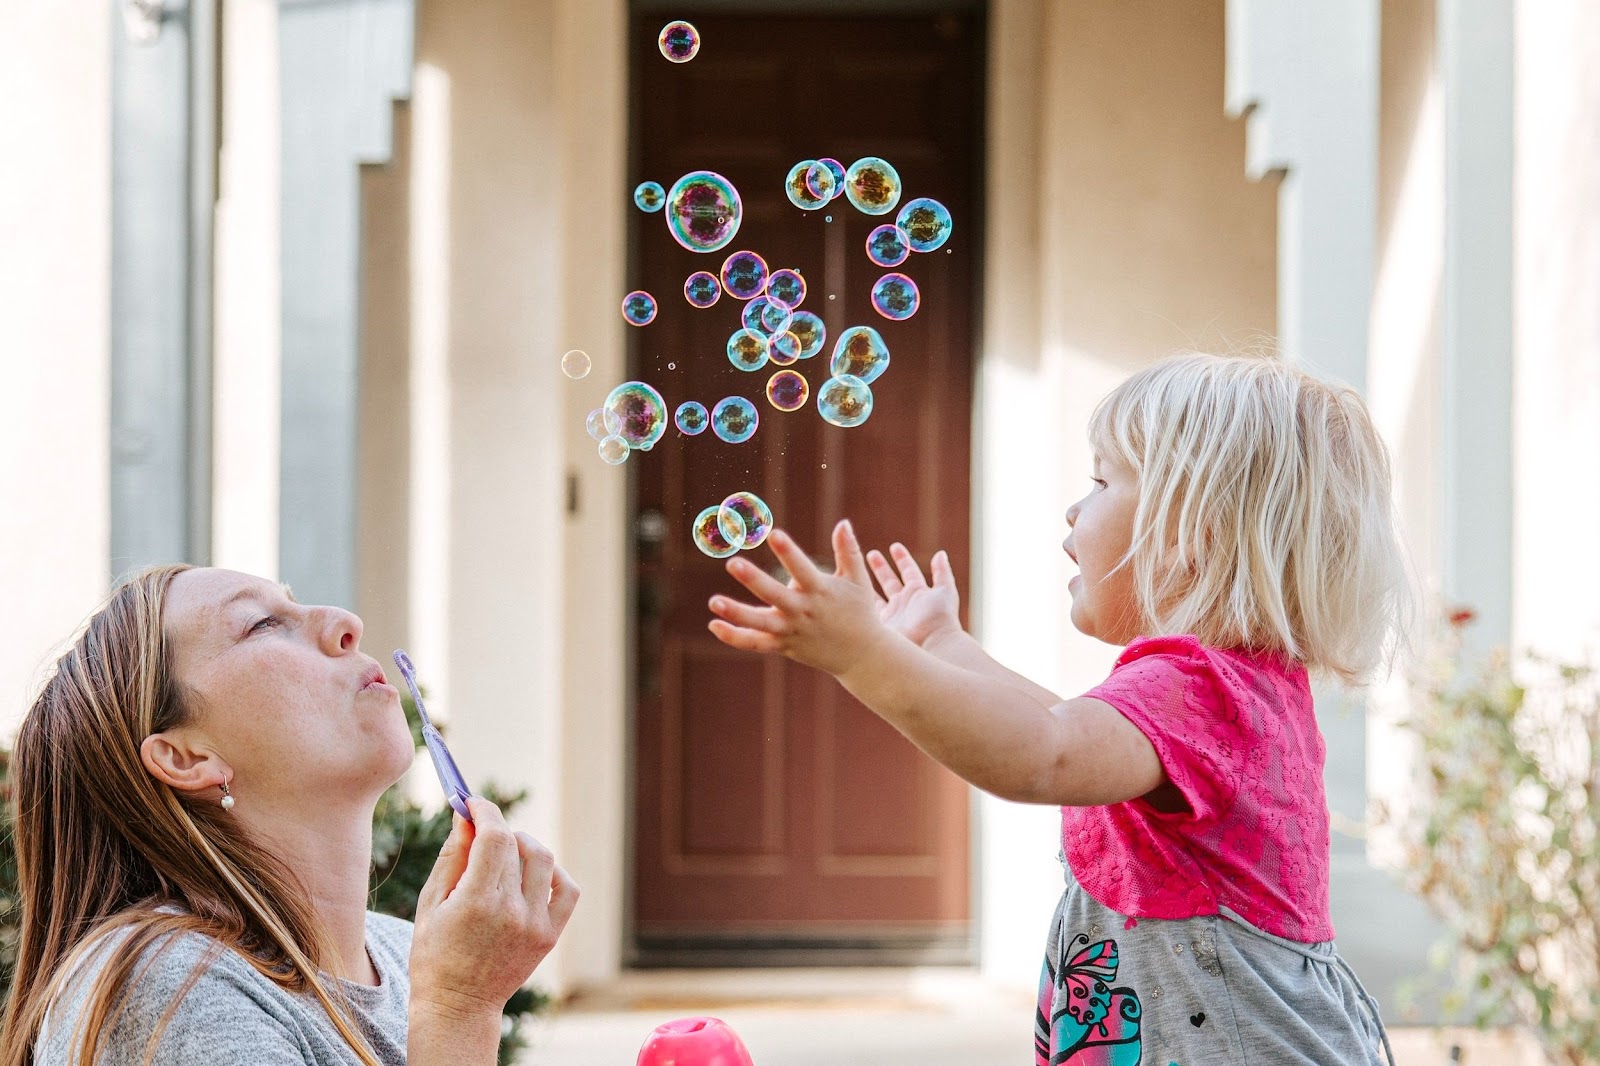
(1264, 518)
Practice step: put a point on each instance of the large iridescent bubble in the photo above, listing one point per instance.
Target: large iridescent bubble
(810, 331)
(755, 518)
(711, 532)
(747, 349)
(787, 287)
(703, 211)
(896, 297)
(787, 390)
(649, 196)
(798, 188)
(775, 317)
(702, 289)
(754, 315)
(640, 412)
(872, 185)
(821, 181)
(744, 275)
(679, 41)
(692, 418)
(844, 401)
(927, 224)
(860, 353)
(639, 308)
(888, 245)
(734, 419)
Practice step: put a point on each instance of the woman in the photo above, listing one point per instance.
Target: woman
(194, 796)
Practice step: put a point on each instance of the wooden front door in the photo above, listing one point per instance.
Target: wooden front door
(776, 820)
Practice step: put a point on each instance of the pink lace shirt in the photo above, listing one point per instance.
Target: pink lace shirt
(1236, 734)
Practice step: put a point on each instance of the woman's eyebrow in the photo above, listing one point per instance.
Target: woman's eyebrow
(256, 594)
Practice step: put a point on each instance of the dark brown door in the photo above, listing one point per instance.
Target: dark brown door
(775, 819)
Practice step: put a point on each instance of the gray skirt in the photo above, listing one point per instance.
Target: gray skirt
(1115, 991)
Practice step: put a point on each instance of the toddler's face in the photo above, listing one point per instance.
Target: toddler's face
(1103, 604)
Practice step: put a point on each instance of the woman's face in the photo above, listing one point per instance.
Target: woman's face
(283, 693)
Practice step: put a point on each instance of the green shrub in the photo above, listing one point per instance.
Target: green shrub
(1503, 840)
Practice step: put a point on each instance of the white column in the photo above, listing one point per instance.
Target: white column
(55, 226)
(1475, 52)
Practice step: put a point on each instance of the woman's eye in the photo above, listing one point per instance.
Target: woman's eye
(1098, 481)
(269, 620)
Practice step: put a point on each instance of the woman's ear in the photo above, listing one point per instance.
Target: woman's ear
(175, 762)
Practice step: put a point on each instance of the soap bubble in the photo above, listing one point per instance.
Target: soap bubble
(703, 211)
(755, 518)
(821, 181)
(744, 275)
(712, 532)
(845, 400)
(614, 450)
(735, 419)
(810, 332)
(786, 287)
(798, 188)
(888, 246)
(576, 364)
(639, 308)
(927, 224)
(601, 423)
(872, 185)
(750, 317)
(838, 177)
(747, 349)
(679, 41)
(787, 390)
(702, 289)
(775, 317)
(860, 353)
(895, 297)
(783, 348)
(650, 196)
(640, 410)
(692, 418)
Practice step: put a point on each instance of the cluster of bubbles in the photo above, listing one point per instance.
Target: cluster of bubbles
(739, 523)
(703, 212)
(679, 41)
(633, 418)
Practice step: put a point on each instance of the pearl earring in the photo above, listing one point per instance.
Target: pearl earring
(227, 798)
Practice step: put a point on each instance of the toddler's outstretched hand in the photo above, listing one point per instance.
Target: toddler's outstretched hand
(829, 621)
(911, 606)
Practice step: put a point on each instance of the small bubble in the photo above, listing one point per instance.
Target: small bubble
(639, 308)
(679, 41)
(830, 296)
(672, 366)
(650, 196)
(844, 401)
(755, 518)
(712, 532)
(827, 218)
(895, 297)
(576, 364)
(614, 450)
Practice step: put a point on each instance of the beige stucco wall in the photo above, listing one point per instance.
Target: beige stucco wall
(55, 233)
(1121, 228)
(488, 254)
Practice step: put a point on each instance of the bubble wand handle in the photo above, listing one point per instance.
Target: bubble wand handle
(456, 791)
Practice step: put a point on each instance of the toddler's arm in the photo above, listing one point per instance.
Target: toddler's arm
(1001, 738)
(929, 615)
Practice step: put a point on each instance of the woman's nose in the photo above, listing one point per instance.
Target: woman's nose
(342, 631)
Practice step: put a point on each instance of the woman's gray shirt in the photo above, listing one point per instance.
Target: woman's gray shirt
(234, 1016)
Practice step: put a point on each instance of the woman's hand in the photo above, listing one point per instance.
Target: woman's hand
(912, 607)
(829, 621)
(489, 913)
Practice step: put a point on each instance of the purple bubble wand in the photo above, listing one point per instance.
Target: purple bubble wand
(455, 786)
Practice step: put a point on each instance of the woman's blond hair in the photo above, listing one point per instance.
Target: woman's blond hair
(102, 845)
(1265, 518)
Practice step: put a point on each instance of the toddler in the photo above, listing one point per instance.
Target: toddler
(1237, 537)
